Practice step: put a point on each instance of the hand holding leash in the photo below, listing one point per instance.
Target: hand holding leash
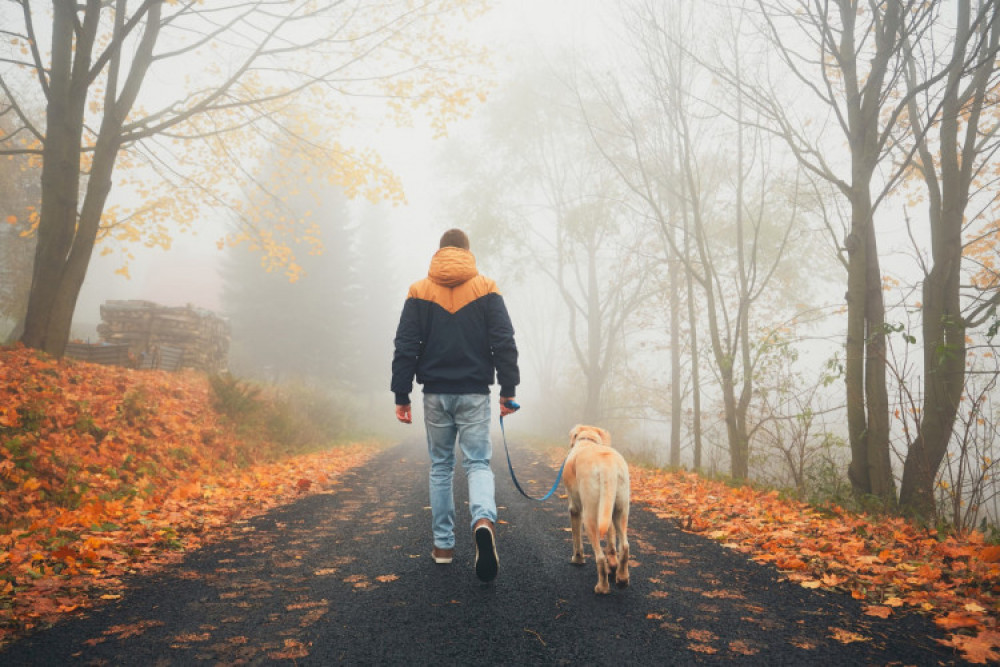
(508, 406)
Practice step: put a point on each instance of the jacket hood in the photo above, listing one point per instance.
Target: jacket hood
(450, 267)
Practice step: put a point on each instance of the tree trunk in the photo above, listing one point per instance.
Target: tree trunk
(944, 376)
(675, 359)
(857, 419)
(943, 325)
(870, 469)
(66, 239)
(877, 394)
(739, 458)
(695, 372)
(595, 342)
(47, 317)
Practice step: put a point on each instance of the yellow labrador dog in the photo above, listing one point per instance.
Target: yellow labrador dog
(596, 480)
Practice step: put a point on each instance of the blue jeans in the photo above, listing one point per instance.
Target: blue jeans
(467, 418)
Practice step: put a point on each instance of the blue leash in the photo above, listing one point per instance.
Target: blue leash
(514, 406)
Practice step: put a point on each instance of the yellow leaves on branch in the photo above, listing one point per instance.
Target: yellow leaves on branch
(28, 222)
(985, 251)
(383, 60)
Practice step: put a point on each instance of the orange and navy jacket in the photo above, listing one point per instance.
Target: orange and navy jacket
(454, 332)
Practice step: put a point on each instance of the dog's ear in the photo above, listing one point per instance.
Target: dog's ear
(573, 432)
(605, 436)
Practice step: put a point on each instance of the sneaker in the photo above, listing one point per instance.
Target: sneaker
(442, 556)
(487, 561)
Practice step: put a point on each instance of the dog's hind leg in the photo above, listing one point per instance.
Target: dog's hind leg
(594, 535)
(620, 521)
(574, 522)
(610, 550)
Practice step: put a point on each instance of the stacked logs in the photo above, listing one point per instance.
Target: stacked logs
(166, 337)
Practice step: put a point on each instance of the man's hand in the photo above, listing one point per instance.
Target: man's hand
(504, 409)
(404, 414)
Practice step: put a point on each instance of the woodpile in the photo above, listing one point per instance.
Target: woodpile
(165, 337)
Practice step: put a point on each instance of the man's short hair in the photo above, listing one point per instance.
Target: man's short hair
(454, 238)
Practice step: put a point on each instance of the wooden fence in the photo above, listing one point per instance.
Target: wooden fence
(98, 353)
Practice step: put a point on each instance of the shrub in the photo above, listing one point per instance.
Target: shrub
(282, 420)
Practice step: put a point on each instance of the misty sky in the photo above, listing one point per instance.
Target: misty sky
(188, 273)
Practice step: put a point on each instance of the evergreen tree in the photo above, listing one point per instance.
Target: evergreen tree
(284, 328)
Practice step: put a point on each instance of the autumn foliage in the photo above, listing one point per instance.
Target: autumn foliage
(108, 471)
(887, 562)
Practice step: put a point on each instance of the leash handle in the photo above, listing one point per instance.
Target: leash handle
(503, 433)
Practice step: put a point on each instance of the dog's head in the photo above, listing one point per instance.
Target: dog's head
(595, 434)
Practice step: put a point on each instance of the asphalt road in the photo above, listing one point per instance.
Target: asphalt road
(346, 578)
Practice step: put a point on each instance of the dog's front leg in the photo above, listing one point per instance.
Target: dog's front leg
(575, 522)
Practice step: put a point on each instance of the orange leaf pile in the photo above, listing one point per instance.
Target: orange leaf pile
(106, 471)
(888, 562)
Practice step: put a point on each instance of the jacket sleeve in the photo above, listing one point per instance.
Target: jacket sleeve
(407, 344)
(503, 347)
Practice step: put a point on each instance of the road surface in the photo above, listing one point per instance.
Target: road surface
(346, 578)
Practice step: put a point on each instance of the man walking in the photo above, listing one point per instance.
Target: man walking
(453, 334)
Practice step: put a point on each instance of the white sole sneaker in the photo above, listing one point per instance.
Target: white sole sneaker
(441, 560)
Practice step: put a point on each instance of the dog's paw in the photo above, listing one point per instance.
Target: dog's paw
(602, 589)
(621, 583)
(578, 560)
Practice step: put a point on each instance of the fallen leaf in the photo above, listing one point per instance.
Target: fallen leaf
(293, 650)
(878, 610)
(955, 619)
(980, 649)
(990, 554)
(703, 648)
(740, 647)
(309, 604)
(846, 636)
(702, 635)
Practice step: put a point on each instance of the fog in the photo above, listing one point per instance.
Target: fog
(191, 272)
(660, 198)
(566, 37)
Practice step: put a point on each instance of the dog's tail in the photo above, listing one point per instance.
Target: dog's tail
(606, 505)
